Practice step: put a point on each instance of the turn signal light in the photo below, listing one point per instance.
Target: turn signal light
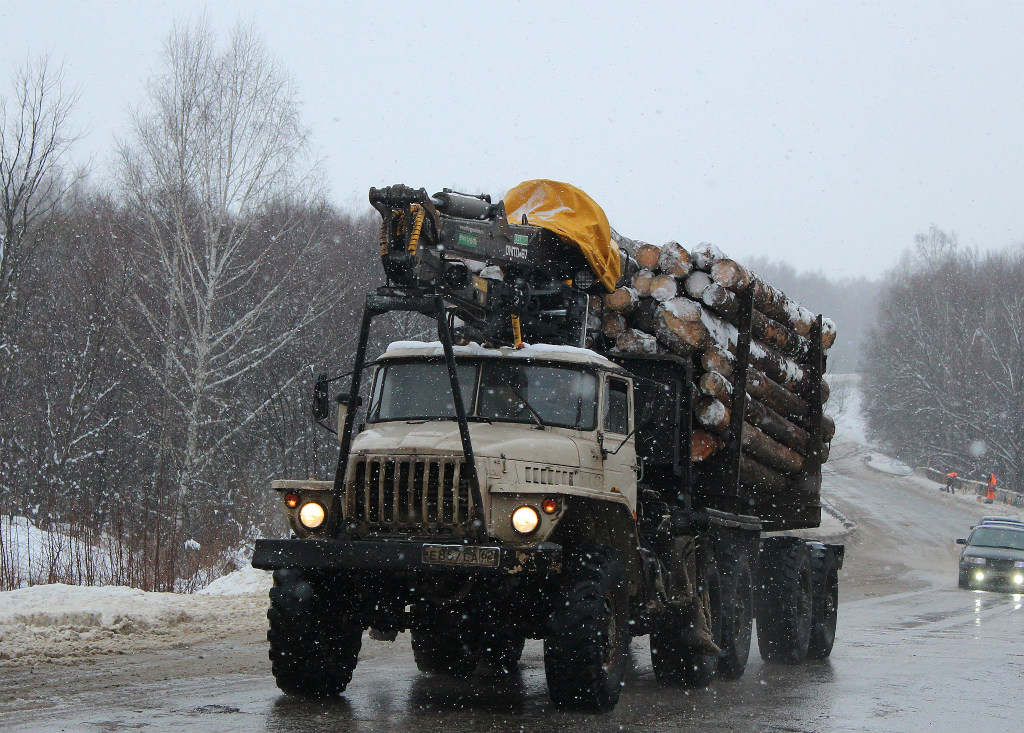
(550, 506)
(292, 500)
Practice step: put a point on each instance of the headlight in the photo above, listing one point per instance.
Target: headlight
(975, 560)
(979, 575)
(312, 515)
(1018, 579)
(525, 519)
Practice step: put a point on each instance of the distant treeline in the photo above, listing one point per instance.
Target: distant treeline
(944, 363)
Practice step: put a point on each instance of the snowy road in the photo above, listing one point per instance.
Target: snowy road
(913, 654)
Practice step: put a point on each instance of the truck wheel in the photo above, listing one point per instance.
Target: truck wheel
(501, 651)
(737, 615)
(675, 660)
(586, 650)
(314, 648)
(451, 649)
(784, 612)
(825, 578)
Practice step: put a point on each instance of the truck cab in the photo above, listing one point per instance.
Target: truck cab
(550, 426)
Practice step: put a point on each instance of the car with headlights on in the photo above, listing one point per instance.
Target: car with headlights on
(993, 558)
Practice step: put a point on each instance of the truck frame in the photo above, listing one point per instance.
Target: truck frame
(501, 514)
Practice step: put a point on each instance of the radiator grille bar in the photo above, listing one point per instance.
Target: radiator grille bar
(414, 496)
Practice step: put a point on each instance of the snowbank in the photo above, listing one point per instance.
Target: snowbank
(240, 582)
(57, 621)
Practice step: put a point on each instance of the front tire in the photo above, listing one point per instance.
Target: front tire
(587, 647)
(314, 645)
(785, 604)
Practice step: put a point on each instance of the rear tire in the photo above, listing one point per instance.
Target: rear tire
(449, 649)
(737, 615)
(785, 603)
(501, 651)
(825, 579)
(314, 645)
(674, 661)
(587, 647)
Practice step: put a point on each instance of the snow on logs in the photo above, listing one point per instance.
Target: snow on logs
(647, 255)
(674, 260)
(622, 300)
(769, 301)
(688, 303)
(715, 417)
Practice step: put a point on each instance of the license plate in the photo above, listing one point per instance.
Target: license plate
(486, 557)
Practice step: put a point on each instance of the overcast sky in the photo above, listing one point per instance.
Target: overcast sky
(825, 134)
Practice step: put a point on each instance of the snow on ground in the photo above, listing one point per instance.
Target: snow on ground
(885, 464)
(844, 406)
(29, 554)
(62, 622)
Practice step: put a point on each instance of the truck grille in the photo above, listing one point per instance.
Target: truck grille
(408, 496)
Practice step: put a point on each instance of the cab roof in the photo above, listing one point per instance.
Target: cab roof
(530, 352)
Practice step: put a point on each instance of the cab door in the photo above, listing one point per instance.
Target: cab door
(619, 447)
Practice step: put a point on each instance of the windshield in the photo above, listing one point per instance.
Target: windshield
(418, 390)
(991, 537)
(491, 390)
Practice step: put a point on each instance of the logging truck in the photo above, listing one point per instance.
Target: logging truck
(582, 457)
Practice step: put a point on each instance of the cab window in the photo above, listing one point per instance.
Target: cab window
(616, 406)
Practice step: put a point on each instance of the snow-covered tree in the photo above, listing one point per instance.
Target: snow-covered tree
(219, 147)
(944, 369)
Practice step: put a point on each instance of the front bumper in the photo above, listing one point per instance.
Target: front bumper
(544, 558)
(993, 579)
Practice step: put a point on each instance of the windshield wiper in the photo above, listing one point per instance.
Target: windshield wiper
(533, 413)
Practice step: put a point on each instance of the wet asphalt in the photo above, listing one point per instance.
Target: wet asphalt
(913, 653)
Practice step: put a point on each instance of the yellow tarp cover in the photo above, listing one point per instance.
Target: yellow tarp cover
(571, 214)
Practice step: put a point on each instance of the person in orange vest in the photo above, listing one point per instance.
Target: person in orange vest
(951, 481)
(990, 495)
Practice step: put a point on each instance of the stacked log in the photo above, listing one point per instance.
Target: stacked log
(689, 303)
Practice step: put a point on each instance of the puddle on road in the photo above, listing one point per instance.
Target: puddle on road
(982, 602)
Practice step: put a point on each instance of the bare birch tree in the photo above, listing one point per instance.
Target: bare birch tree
(220, 143)
(35, 138)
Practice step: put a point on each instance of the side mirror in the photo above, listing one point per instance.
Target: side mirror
(961, 541)
(321, 399)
